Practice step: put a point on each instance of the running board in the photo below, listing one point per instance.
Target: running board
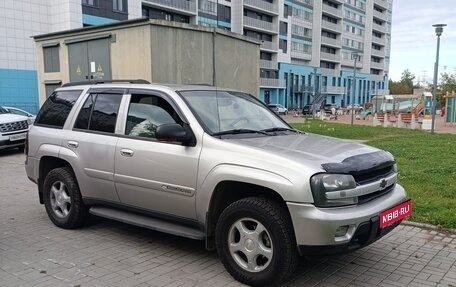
(147, 222)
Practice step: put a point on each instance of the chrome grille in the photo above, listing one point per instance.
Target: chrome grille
(14, 126)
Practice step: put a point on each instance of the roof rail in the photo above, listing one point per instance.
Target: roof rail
(138, 81)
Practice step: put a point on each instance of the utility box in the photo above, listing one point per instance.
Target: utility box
(155, 50)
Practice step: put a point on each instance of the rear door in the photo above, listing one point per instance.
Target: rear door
(149, 174)
(93, 141)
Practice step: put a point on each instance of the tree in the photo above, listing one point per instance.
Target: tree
(447, 84)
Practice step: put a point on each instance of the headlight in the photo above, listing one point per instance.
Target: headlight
(324, 184)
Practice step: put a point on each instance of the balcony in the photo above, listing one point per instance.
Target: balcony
(301, 55)
(381, 3)
(379, 28)
(271, 46)
(331, 26)
(381, 15)
(330, 57)
(379, 41)
(330, 41)
(376, 65)
(332, 11)
(378, 53)
(377, 78)
(355, 6)
(351, 63)
(332, 90)
(260, 25)
(265, 64)
(262, 6)
(186, 7)
(379, 92)
(208, 7)
(273, 83)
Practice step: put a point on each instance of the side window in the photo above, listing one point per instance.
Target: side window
(55, 110)
(99, 113)
(146, 113)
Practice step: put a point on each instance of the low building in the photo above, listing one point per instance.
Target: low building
(154, 50)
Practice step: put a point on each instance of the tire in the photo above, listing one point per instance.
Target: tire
(63, 200)
(276, 242)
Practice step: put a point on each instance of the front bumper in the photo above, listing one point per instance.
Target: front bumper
(5, 144)
(315, 228)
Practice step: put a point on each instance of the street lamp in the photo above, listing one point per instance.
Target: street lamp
(438, 32)
(355, 56)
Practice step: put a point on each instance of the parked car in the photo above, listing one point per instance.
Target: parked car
(211, 164)
(307, 110)
(16, 111)
(355, 107)
(13, 130)
(328, 107)
(278, 109)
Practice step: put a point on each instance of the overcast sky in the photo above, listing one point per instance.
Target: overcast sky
(414, 42)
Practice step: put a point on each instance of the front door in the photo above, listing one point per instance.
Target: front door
(89, 60)
(153, 175)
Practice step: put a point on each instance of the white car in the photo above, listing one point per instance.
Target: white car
(16, 111)
(278, 109)
(13, 129)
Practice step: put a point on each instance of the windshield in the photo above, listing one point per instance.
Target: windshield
(223, 111)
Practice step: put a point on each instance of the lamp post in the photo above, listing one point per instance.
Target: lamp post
(355, 56)
(438, 32)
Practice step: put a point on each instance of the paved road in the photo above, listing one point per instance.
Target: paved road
(33, 252)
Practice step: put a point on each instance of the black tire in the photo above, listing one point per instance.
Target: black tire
(277, 223)
(77, 211)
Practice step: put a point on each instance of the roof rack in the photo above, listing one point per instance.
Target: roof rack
(138, 81)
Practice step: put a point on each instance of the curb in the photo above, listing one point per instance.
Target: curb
(428, 226)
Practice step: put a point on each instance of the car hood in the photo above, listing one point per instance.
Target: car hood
(8, 118)
(331, 154)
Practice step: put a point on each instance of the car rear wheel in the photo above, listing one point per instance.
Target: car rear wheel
(63, 200)
(256, 243)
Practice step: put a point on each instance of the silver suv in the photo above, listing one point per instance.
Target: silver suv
(210, 164)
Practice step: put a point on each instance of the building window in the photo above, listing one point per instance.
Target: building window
(51, 59)
(118, 5)
(90, 2)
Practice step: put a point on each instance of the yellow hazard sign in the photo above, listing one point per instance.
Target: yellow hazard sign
(99, 69)
(78, 70)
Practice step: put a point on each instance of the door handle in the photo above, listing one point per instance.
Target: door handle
(73, 144)
(126, 152)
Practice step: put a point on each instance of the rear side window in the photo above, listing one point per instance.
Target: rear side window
(99, 113)
(55, 110)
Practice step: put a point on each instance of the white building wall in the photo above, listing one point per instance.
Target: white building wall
(134, 9)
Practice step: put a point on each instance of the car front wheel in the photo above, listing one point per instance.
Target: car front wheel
(255, 242)
(63, 200)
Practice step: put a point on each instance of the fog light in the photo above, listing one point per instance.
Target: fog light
(341, 230)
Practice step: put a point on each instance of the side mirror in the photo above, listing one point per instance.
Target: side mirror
(173, 133)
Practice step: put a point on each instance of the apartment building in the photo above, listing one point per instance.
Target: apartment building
(307, 46)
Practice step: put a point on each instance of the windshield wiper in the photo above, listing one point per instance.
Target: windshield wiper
(239, 131)
(280, 129)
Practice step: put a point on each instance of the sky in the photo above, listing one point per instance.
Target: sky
(414, 42)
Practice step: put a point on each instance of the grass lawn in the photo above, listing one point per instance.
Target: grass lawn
(426, 164)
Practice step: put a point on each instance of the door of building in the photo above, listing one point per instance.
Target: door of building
(89, 60)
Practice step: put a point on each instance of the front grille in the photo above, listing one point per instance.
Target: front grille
(362, 178)
(368, 197)
(370, 176)
(14, 126)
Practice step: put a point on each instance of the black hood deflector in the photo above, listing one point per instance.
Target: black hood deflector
(361, 163)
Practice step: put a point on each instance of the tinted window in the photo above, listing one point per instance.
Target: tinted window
(55, 110)
(99, 113)
(146, 113)
(84, 115)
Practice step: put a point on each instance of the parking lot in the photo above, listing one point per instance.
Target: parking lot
(33, 252)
